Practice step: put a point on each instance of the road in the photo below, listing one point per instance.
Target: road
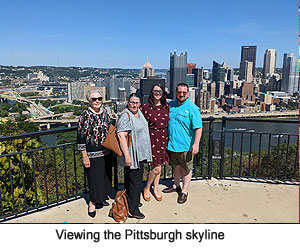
(34, 108)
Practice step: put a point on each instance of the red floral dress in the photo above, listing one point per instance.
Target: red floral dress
(157, 118)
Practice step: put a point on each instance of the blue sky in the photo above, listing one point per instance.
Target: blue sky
(123, 33)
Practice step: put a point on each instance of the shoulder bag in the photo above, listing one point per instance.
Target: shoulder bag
(111, 141)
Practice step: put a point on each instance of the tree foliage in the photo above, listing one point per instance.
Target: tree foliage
(48, 174)
(278, 164)
(77, 110)
(14, 195)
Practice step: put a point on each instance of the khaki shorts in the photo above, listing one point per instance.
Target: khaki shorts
(184, 159)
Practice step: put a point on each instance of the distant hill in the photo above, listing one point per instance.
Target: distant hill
(70, 72)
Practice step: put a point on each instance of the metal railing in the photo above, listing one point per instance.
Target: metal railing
(259, 155)
(34, 177)
(37, 178)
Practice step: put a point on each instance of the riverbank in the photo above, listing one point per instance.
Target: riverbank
(276, 114)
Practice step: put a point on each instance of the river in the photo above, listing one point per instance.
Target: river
(275, 129)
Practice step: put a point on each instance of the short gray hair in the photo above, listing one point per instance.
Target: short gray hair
(90, 91)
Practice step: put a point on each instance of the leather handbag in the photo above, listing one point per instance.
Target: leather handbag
(119, 210)
(111, 141)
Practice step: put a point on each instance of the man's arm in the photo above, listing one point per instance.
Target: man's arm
(195, 147)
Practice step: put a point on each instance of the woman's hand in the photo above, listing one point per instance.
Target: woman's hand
(128, 160)
(86, 162)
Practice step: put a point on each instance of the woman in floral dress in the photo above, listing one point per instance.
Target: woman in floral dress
(156, 112)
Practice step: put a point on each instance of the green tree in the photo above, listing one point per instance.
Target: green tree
(76, 102)
(67, 167)
(11, 167)
(276, 164)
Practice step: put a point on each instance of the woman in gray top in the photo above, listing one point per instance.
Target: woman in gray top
(132, 121)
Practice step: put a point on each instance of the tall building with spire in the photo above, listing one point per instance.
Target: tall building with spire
(269, 62)
(249, 53)
(178, 70)
(147, 70)
(147, 81)
(289, 82)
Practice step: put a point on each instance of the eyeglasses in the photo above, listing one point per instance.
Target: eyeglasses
(94, 99)
(157, 92)
(134, 103)
(181, 92)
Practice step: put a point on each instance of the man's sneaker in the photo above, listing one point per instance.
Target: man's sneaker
(182, 198)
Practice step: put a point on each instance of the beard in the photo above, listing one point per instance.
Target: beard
(181, 99)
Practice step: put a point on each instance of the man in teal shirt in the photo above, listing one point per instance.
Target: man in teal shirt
(184, 131)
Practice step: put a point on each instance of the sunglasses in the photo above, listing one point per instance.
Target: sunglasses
(157, 92)
(181, 92)
(94, 99)
(134, 103)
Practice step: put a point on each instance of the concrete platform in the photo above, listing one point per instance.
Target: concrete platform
(209, 201)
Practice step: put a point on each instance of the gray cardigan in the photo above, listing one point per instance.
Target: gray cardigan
(138, 129)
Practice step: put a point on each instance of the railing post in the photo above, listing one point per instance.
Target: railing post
(210, 146)
(222, 146)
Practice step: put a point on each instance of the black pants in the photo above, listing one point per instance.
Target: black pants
(133, 183)
(99, 178)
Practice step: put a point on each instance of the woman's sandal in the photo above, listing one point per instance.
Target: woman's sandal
(158, 198)
(146, 198)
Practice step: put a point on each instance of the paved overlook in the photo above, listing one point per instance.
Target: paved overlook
(209, 201)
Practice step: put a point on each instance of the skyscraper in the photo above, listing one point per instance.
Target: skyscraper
(146, 86)
(178, 69)
(220, 86)
(122, 94)
(112, 85)
(147, 70)
(76, 91)
(269, 62)
(147, 81)
(249, 53)
(220, 72)
(202, 100)
(274, 83)
(198, 76)
(246, 71)
(289, 82)
(189, 80)
(212, 89)
(215, 71)
(190, 67)
(206, 74)
(230, 73)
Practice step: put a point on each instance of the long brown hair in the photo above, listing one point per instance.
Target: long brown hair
(163, 99)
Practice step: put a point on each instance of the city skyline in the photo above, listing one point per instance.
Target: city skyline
(122, 34)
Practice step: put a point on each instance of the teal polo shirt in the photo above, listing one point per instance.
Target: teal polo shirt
(184, 120)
